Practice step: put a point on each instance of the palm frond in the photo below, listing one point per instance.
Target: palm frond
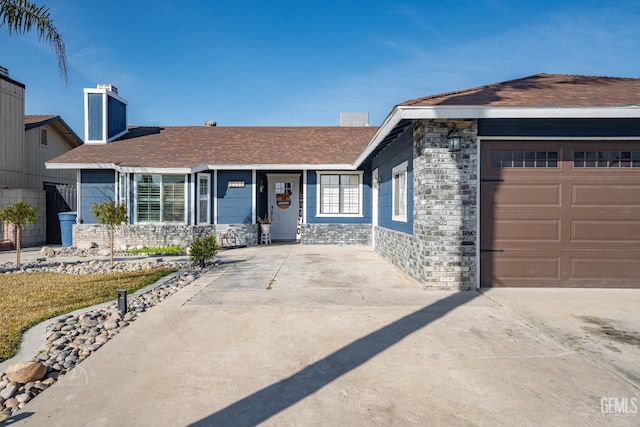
(22, 16)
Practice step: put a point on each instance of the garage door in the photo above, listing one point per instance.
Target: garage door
(560, 214)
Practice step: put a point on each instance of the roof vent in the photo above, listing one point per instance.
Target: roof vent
(108, 87)
(210, 123)
(354, 119)
(4, 71)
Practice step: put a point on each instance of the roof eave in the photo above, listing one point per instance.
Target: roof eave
(402, 112)
(521, 112)
(199, 168)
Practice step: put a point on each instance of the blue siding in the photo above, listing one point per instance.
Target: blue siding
(312, 201)
(234, 204)
(117, 117)
(95, 116)
(96, 186)
(399, 151)
(559, 127)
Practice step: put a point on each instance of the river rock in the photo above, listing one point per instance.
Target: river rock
(47, 251)
(9, 390)
(11, 403)
(26, 372)
(22, 398)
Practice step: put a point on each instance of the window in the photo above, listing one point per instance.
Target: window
(203, 198)
(606, 159)
(399, 191)
(160, 198)
(122, 189)
(524, 159)
(339, 194)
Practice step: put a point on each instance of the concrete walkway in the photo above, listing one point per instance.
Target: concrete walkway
(344, 338)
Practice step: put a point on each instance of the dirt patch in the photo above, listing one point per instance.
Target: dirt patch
(607, 328)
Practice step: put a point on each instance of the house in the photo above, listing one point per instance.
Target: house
(529, 182)
(26, 143)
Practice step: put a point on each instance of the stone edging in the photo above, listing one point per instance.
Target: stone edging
(72, 338)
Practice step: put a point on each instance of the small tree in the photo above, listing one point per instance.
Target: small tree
(19, 215)
(111, 214)
(202, 250)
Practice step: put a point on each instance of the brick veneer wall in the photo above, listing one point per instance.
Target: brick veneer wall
(336, 234)
(163, 235)
(441, 253)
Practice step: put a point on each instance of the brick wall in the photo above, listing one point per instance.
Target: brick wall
(163, 235)
(441, 253)
(336, 234)
(34, 234)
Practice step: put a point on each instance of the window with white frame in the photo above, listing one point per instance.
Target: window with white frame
(399, 192)
(203, 197)
(339, 194)
(160, 198)
(122, 189)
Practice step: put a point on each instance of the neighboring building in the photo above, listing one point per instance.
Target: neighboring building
(26, 143)
(530, 182)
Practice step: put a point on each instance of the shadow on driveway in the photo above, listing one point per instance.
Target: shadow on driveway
(265, 403)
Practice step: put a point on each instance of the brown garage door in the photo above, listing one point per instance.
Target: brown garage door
(560, 214)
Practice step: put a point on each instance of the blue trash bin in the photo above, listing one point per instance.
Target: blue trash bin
(67, 219)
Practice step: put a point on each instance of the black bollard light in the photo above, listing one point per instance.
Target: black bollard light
(202, 263)
(122, 301)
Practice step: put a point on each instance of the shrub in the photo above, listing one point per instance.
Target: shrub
(203, 249)
(167, 250)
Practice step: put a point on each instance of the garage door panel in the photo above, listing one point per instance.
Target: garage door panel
(605, 268)
(586, 195)
(526, 230)
(605, 231)
(510, 268)
(527, 195)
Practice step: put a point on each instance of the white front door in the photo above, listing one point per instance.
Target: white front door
(284, 193)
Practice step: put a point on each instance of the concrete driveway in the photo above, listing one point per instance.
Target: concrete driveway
(344, 338)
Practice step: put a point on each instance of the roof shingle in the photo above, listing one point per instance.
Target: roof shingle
(543, 90)
(192, 146)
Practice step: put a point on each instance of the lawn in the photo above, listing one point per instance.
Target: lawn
(29, 298)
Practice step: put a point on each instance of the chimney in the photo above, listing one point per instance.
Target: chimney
(105, 114)
(4, 71)
(210, 123)
(354, 119)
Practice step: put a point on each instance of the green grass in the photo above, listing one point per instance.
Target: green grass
(26, 299)
(168, 250)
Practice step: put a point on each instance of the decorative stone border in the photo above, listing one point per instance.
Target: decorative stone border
(71, 339)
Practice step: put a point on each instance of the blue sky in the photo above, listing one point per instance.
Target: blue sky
(266, 63)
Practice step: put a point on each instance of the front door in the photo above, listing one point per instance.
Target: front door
(284, 191)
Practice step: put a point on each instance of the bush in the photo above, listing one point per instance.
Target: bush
(167, 250)
(205, 249)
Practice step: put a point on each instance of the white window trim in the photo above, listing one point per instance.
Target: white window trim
(360, 191)
(402, 167)
(135, 199)
(208, 213)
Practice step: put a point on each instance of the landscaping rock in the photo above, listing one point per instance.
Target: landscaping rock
(26, 372)
(47, 251)
(71, 339)
(11, 403)
(87, 245)
(9, 390)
